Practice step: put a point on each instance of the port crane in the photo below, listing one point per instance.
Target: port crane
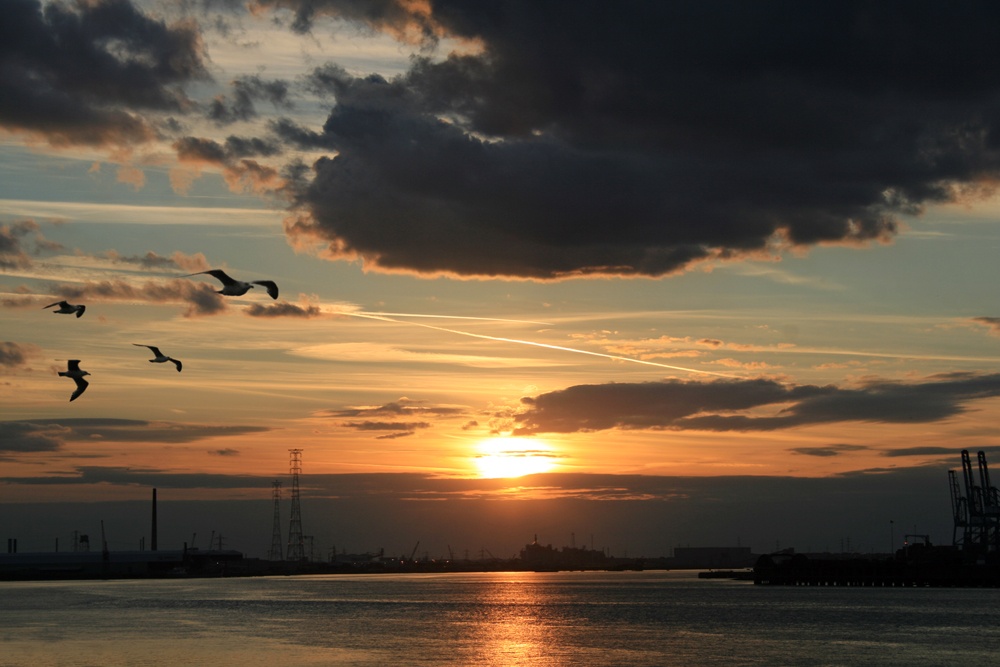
(977, 513)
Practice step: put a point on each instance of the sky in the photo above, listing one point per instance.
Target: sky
(632, 275)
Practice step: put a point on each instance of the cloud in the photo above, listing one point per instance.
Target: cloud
(151, 260)
(239, 171)
(225, 452)
(200, 297)
(21, 240)
(14, 355)
(284, 309)
(387, 417)
(386, 426)
(85, 73)
(134, 476)
(246, 90)
(993, 323)
(25, 437)
(619, 145)
(406, 21)
(404, 406)
(748, 405)
(922, 451)
(647, 142)
(828, 450)
(53, 434)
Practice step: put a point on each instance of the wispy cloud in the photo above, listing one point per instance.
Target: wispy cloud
(151, 260)
(403, 406)
(142, 215)
(827, 450)
(992, 323)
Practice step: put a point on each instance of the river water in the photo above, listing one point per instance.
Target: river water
(638, 619)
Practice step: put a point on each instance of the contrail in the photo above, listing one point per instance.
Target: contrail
(385, 318)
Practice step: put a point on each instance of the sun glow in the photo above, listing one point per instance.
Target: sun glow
(513, 457)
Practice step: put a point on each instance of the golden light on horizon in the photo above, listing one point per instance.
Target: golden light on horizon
(513, 457)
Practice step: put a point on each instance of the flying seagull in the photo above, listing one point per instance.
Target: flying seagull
(73, 371)
(231, 287)
(67, 308)
(160, 357)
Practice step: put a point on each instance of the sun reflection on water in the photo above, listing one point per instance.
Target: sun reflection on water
(509, 627)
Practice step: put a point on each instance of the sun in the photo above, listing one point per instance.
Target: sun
(513, 457)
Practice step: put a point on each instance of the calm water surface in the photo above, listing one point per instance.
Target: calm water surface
(639, 619)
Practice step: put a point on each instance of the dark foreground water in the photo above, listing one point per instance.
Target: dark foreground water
(634, 619)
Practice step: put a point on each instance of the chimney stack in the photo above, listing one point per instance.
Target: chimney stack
(152, 540)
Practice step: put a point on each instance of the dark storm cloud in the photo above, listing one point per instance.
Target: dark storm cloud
(246, 91)
(240, 172)
(640, 141)
(84, 72)
(723, 405)
(197, 149)
(389, 15)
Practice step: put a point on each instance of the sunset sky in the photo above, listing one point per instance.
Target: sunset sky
(640, 273)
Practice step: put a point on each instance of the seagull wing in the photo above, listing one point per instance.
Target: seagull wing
(81, 386)
(79, 310)
(57, 303)
(74, 364)
(272, 287)
(176, 363)
(215, 273)
(221, 275)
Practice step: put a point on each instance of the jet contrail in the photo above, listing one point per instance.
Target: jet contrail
(378, 315)
(385, 318)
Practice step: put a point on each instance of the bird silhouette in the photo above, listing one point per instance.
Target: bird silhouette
(159, 357)
(66, 308)
(233, 287)
(73, 371)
